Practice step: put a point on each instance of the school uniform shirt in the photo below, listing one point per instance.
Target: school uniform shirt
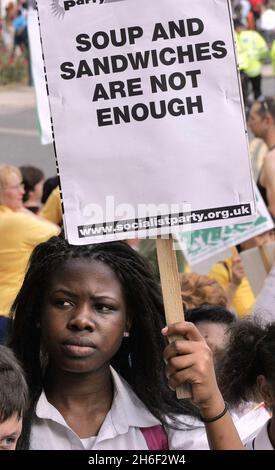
(119, 431)
(261, 441)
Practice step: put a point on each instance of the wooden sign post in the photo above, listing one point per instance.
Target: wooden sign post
(265, 258)
(171, 292)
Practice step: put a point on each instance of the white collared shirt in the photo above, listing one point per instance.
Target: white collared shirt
(261, 441)
(121, 427)
(119, 431)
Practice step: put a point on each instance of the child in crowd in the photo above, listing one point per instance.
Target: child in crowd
(247, 372)
(13, 399)
(88, 318)
(213, 323)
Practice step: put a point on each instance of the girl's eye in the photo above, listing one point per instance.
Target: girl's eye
(7, 443)
(105, 308)
(9, 440)
(63, 303)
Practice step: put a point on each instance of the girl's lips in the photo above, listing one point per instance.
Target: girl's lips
(74, 350)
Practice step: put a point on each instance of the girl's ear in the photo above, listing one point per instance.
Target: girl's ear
(128, 326)
(129, 321)
(265, 389)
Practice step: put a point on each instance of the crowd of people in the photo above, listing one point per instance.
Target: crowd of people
(254, 24)
(14, 33)
(20, 231)
(87, 361)
(75, 318)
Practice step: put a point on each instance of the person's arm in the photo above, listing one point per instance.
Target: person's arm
(37, 230)
(229, 276)
(190, 360)
(237, 275)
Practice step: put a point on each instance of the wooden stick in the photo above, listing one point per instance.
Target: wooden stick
(171, 292)
(265, 258)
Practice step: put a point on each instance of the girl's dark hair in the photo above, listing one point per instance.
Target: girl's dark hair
(145, 369)
(250, 352)
(210, 314)
(49, 185)
(13, 386)
(31, 176)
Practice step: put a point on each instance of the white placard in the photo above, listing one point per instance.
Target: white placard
(203, 244)
(264, 308)
(37, 67)
(254, 265)
(147, 118)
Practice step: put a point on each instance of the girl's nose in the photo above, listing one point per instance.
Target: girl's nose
(82, 319)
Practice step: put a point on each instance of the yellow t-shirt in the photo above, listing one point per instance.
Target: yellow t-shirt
(52, 209)
(20, 232)
(244, 298)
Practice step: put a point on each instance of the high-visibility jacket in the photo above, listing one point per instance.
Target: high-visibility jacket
(241, 54)
(272, 55)
(252, 50)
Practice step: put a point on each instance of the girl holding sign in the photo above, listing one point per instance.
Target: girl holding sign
(88, 318)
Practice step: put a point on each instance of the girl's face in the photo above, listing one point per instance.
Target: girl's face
(83, 316)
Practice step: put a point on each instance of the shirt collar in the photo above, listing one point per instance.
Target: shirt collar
(134, 410)
(45, 410)
(127, 410)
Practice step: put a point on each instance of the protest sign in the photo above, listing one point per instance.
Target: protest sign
(264, 309)
(203, 244)
(254, 263)
(37, 68)
(148, 126)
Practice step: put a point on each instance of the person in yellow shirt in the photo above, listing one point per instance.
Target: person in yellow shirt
(231, 276)
(20, 232)
(52, 210)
